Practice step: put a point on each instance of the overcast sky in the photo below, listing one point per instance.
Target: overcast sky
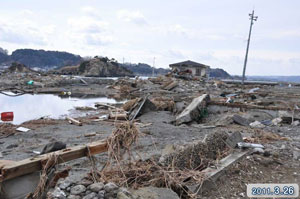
(212, 32)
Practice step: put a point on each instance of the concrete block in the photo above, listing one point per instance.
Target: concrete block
(193, 112)
(233, 139)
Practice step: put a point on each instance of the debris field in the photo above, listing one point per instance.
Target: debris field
(169, 137)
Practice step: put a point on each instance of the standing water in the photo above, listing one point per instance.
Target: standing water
(29, 107)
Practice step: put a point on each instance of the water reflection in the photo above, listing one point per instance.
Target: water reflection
(29, 107)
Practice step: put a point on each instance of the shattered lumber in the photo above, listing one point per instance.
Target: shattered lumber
(248, 106)
(73, 121)
(31, 165)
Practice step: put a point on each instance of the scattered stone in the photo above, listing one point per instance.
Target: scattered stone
(58, 193)
(74, 197)
(54, 146)
(122, 195)
(296, 154)
(258, 151)
(234, 138)
(85, 182)
(257, 124)
(101, 194)
(96, 187)
(12, 146)
(64, 185)
(78, 189)
(90, 196)
(296, 123)
(240, 120)
(276, 121)
(155, 193)
(110, 187)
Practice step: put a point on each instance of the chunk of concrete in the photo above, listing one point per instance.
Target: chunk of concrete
(54, 146)
(240, 120)
(233, 139)
(194, 111)
(155, 193)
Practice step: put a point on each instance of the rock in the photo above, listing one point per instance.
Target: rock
(155, 193)
(194, 111)
(296, 154)
(101, 194)
(179, 107)
(296, 123)
(257, 124)
(234, 138)
(58, 193)
(110, 187)
(276, 121)
(258, 151)
(85, 182)
(240, 120)
(96, 187)
(78, 189)
(122, 195)
(64, 185)
(12, 146)
(54, 146)
(90, 196)
(74, 197)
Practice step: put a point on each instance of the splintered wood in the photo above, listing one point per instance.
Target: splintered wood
(31, 165)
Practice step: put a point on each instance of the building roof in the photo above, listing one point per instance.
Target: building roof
(188, 62)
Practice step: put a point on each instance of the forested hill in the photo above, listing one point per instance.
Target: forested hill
(40, 58)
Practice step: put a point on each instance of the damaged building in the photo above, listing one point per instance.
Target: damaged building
(196, 69)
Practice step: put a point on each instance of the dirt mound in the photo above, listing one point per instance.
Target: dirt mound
(19, 68)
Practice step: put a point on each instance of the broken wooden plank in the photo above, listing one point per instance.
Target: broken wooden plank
(170, 86)
(105, 105)
(247, 106)
(73, 121)
(31, 165)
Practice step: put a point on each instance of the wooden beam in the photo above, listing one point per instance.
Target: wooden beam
(73, 121)
(248, 106)
(31, 165)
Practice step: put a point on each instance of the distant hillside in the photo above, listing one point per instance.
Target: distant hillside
(44, 59)
(144, 69)
(39, 58)
(96, 67)
(219, 73)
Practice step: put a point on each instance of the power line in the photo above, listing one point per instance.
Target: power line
(252, 18)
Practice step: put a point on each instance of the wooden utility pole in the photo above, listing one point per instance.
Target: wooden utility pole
(153, 66)
(252, 18)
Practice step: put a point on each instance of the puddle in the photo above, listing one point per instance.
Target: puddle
(29, 107)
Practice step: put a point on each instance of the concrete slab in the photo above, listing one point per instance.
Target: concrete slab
(194, 111)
